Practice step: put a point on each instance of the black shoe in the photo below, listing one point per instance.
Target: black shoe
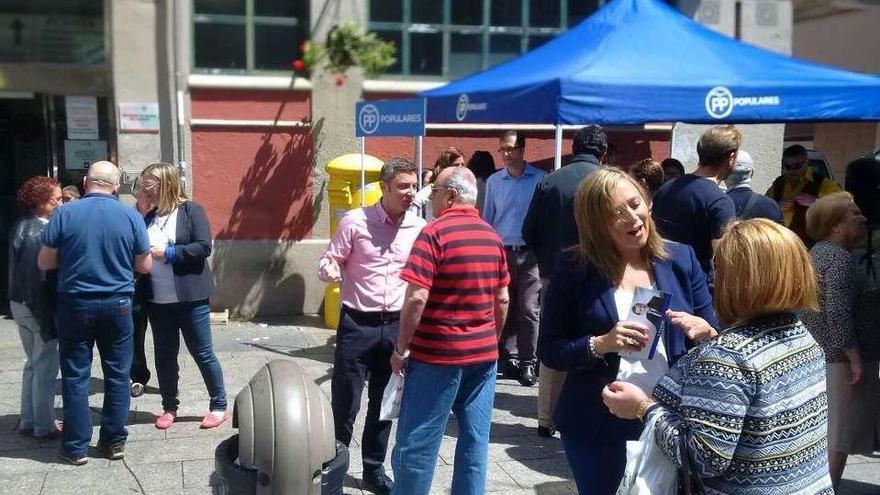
(511, 370)
(113, 451)
(75, 460)
(379, 484)
(545, 432)
(527, 376)
(137, 390)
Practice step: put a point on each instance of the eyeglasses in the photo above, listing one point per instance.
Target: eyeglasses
(434, 189)
(507, 150)
(795, 165)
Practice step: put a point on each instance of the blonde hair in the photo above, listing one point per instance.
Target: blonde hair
(761, 268)
(593, 213)
(718, 142)
(169, 191)
(826, 213)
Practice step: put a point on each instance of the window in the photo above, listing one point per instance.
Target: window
(248, 35)
(453, 38)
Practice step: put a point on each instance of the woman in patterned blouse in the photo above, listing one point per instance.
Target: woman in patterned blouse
(843, 326)
(749, 406)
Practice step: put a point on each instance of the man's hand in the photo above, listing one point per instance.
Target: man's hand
(695, 328)
(158, 253)
(330, 269)
(397, 365)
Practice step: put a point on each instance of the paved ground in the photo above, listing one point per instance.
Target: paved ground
(180, 460)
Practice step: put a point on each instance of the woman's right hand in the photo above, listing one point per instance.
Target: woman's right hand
(623, 336)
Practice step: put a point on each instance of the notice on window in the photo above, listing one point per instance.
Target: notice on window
(139, 117)
(82, 117)
(78, 155)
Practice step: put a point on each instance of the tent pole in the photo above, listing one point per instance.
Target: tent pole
(363, 170)
(557, 157)
(418, 155)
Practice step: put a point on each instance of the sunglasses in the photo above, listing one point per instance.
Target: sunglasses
(794, 165)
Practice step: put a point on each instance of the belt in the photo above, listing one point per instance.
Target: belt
(372, 317)
(515, 249)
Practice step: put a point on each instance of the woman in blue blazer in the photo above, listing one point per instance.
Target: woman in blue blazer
(583, 327)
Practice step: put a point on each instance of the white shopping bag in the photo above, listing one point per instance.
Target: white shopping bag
(648, 470)
(391, 398)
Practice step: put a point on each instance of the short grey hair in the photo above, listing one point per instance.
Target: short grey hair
(396, 165)
(462, 180)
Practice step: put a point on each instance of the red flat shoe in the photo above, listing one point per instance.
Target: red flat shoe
(212, 421)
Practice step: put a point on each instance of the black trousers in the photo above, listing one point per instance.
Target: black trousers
(519, 338)
(364, 344)
(140, 372)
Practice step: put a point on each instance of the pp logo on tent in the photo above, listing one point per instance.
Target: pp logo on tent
(719, 102)
(461, 108)
(368, 119)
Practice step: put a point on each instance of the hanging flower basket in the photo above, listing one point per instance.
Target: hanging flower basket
(348, 45)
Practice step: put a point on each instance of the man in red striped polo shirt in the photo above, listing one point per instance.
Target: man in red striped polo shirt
(453, 311)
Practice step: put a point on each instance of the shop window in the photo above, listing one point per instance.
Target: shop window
(452, 38)
(232, 36)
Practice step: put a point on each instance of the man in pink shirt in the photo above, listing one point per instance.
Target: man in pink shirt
(367, 254)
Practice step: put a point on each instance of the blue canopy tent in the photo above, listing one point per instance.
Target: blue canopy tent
(641, 61)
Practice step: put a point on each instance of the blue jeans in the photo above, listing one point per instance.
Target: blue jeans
(82, 322)
(597, 468)
(193, 320)
(38, 376)
(429, 393)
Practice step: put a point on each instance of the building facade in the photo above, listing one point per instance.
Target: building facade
(208, 85)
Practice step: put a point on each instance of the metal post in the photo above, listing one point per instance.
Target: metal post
(557, 158)
(363, 170)
(418, 154)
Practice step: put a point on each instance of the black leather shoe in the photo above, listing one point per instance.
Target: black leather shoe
(379, 484)
(527, 376)
(511, 370)
(545, 432)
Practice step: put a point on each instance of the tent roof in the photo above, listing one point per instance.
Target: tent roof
(637, 61)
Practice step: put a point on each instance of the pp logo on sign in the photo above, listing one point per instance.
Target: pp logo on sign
(719, 102)
(461, 108)
(368, 119)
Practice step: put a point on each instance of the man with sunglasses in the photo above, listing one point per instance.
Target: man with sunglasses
(797, 188)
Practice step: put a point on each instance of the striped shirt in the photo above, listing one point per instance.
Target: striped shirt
(460, 260)
(752, 406)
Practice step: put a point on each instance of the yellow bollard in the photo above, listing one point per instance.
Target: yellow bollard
(343, 194)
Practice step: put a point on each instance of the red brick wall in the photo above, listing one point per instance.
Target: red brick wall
(254, 183)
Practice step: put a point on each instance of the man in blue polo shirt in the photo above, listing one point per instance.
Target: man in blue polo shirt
(96, 244)
(508, 194)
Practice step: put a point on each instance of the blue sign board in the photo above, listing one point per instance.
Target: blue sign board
(390, 118)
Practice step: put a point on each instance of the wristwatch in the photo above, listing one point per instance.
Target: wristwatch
(400, 356)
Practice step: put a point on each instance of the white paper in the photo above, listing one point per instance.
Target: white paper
(391, 398)
(82, 117)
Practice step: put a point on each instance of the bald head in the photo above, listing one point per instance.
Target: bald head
(103, 176)
(463, 181)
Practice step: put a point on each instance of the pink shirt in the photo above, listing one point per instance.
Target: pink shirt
(371, 251)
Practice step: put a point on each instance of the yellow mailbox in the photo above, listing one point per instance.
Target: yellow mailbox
(344, 194)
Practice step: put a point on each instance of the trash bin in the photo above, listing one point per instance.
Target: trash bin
(285, 442)
(344, 194)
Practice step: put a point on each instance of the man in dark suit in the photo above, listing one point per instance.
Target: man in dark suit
(748, 203)
(549, 227)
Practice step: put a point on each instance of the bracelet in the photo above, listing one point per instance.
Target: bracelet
(593, 348)
(643, 408)
(400, 356)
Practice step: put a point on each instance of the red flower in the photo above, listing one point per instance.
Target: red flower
(340, 79)
(304, 46)
(299, 65)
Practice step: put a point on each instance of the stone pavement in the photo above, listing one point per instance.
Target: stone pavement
(180, 460)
